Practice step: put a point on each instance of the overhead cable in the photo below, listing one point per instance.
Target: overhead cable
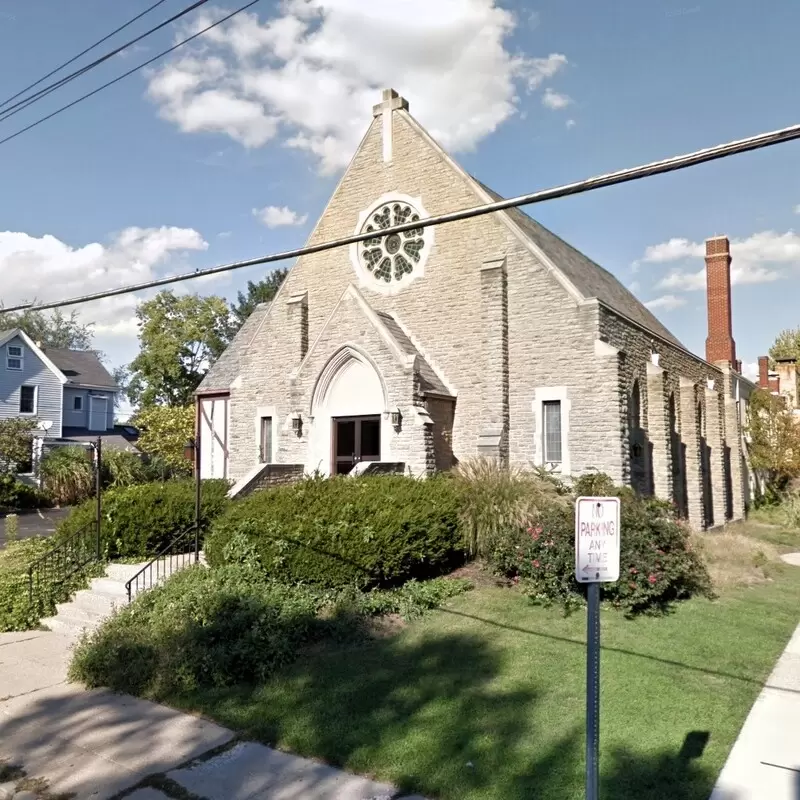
(579, 187)
(82, 53)
(129, 72)
(20, 105)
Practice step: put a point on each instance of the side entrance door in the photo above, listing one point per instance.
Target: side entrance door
(355, 439)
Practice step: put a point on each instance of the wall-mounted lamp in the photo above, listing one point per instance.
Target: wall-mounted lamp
(297, 424)
(396, 418)
(655, 357)
(188, 450)
(710, 384)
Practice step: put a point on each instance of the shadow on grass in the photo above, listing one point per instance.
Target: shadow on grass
(439, 717)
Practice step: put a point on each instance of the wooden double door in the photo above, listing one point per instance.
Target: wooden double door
(355, 439)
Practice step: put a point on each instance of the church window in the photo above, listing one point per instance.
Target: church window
(390, 258)
(551, 419)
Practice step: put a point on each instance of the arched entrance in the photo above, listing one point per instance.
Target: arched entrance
(348, 408)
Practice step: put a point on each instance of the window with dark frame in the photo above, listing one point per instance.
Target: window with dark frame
(14, 356)
(27, 400)
(77, 403)
(551, 431)
(266, 440)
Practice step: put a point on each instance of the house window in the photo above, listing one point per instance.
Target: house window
(77, 403)
(551, 431)
(27, 400)
(14, 356)
(266, 440)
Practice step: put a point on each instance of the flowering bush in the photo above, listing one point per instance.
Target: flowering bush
(657, 563)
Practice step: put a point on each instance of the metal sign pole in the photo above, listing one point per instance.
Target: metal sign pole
(593, 693)
(597, 549)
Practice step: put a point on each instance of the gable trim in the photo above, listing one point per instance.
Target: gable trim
(36, 351)
(485, 199)
(404, 359)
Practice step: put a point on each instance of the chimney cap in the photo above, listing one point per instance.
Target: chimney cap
(786, 360)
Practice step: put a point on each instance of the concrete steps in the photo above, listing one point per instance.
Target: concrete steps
(89, 607)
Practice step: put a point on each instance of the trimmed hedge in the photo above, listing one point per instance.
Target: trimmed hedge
(138, 521)
(364, 532)
(232, 625)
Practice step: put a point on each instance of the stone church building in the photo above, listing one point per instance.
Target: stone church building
(488, 336)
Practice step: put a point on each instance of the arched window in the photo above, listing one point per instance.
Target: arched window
(635, 407)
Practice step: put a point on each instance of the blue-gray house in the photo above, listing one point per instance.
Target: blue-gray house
(69, 393)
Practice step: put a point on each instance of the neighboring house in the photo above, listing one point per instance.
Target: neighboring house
(487, 336)
(69, 393)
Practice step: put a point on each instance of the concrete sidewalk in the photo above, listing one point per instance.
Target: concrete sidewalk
(98, 745)
(764, 763)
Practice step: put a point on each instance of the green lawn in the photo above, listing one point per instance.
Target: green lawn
(485, 699)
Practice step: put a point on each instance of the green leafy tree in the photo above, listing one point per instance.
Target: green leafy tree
(774, 445)
(257, 292)
(54, 329)
(787, 345)
(164, 432)
(179, 339)
(15, 443)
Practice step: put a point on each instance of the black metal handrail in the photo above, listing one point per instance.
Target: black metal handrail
(65, 559)
(177, 549)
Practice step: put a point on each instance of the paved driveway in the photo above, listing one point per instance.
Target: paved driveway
(35, 523)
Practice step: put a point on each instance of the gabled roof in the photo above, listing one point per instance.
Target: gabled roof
(81, 368)
(9, 334)
(589, 278)
(225, 369)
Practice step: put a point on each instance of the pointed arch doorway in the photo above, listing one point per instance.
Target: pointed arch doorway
(349, 408)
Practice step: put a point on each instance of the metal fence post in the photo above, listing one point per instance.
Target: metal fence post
(593, 693)
(197, 497)
(98, 493)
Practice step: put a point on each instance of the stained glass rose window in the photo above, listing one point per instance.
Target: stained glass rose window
(390, 258)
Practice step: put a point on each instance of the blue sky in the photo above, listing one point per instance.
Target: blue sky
(151, 177)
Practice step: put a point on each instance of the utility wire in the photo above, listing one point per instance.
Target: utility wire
(42, 93)
(129, 72)
(82, 53)
(579, 187)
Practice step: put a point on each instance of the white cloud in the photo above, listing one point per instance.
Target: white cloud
(667, 302)
(760, 258)
(571, 123)
(635, 286)
(45, 268)
(275, 217)
(554, 100)
(310, 76)
(750, 370)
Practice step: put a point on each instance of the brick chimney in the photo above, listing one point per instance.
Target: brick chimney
(763, 372)
(719, 344)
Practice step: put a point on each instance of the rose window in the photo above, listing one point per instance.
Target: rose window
(390, 258)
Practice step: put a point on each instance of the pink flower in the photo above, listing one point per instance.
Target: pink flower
(651, 578)
(535, 563)
(634, 571)
(515, 579)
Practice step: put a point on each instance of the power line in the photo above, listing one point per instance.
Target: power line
(579, 187)
(21, 105)
(129, 72)
(82, 53)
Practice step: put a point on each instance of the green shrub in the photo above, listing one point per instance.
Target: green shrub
(17, 612)
(67, 474)
(11, 527)
(658, 564)
(496, 498)
(227, 626)
(367, 531)
(138, 521)
(14, 494)
(123, 468)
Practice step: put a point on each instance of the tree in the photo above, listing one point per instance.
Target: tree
(179, 339)
(16, 436)
(55, 329)
(164, 432)
(786, 345)
(774, 445)
(258, 292)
